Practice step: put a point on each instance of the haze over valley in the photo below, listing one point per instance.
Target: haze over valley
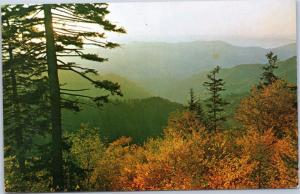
(152, 73)
(159, 68)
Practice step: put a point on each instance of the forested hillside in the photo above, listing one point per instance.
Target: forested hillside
(83, 113)
(129, 88)
(136, 118)
(239, 80)
(110, 118)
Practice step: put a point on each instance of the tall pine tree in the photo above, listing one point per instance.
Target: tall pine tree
(192, 103)
(215, 103)
(25, 89)
(268, 76)
(67, 29)
(65, 40)
(195, 106)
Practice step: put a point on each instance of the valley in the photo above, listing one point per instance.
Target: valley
(151, 95)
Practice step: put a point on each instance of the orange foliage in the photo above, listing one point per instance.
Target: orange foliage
(270, 117)
(188, 157)
(108, 170)
(272, 157)
(272, 107)
(228, 168)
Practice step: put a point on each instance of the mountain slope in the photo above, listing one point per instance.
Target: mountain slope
(239, 80)
(286, 51)
(138, 118)
(144, 60)
(129, 88)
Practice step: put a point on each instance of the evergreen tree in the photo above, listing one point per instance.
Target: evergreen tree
(60, 35)
(192, 103)
(195, 106)
(200, 114)
(215, 103)
(268, 76)
(24, 90)
(64, 36)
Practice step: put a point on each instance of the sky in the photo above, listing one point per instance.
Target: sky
(265, 23)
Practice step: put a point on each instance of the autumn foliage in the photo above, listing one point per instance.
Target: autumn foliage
(261, 154)
(272, 107)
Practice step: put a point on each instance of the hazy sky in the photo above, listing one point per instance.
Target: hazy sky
(266, 23)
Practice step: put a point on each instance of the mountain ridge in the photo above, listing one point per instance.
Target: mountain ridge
(238, 80)
(205, 42)
(180, 60)
(129, 88)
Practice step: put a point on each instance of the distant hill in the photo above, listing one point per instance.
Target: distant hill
(129, 89)
(285, 52)
(141, 61)
(164, 68)
(167, 71)
(138, 118)
(239, 80)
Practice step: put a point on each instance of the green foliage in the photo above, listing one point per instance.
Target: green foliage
(172, 149)
(129, 88)
(239, 80)
(215, 102)
(86, 145)
(36, 37)
(194, 105)
(25, 94)
(86, 149)
(139, 118)
(27, 181)
(268, 76)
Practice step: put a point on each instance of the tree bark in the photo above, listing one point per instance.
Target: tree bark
(57, 163)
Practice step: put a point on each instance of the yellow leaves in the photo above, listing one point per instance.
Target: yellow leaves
(87, 147)
(187, 157)
(231, 172)
(269, 153)
(77, 188)
(183, 124)
(116, 168)
(272, 107)
(121, 141)
(198, 161)
(270, 118)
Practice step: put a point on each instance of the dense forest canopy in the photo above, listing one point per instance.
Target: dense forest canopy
(68, 127)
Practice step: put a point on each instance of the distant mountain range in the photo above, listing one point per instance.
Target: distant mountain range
(170, 70)
(155, 79)
(238, 80)
(140, 61)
